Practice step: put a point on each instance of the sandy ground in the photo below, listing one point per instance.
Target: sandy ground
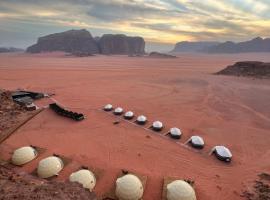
(181, 92)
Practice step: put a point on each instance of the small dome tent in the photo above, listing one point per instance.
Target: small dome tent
(108, 107)
(118, 111)
(129, 187)
(222, 153)
(180, 190)
(175, 133)
(196, 142)
(23, 155)
(157, 126)
(84, 177)
(129, 115)
(49, 167)
(141, 119)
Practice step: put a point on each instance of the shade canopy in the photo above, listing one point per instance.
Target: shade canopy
(84, 177)
(129, 187)
(180, 190)
(23, 155)
(50, 166)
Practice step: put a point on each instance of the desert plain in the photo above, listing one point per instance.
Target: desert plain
(181, 92)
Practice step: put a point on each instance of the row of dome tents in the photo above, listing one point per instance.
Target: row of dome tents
(128, 186)
(221, 152)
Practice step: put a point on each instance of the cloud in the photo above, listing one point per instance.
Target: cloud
(164, 21)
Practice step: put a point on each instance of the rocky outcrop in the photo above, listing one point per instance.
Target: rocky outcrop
(9, 49)
(248, 68)
(160, 55)
(68, 41)
(121, 44)
(186, 46)
(255, 45)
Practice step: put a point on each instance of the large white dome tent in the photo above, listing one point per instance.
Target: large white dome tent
(180, 190)
(50, 166)
(23, 155)
(84, 177)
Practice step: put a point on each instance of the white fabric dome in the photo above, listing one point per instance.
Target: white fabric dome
(49, 166)
(157, 125)
(197, 140)
(129, 114)
(118, 110)
(129, 187)
(175, 131)
(23, 155)
(180, 190)
(84, 177)
(108, 107)
(141, 118)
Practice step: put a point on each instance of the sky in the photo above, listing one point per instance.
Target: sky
(162, 23)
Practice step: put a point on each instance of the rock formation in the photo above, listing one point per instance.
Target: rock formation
(255, 45)
(160, 55)
(121, 44)
(186, 46)
(9, 49)
(68, 41)
(248, 68)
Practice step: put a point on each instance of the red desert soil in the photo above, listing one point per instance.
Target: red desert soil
(182, 92)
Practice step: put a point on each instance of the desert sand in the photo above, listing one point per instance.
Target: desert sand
(181, 92)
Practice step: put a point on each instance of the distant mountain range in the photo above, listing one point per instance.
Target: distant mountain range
(255, 45)
(9, 49)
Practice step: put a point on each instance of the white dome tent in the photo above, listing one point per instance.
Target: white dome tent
(157, 126)
(196, 142)
(118, 111)
(175, 133)
(141, 120)
(222, 153)
(108, 107)
(23, 155)
(129, 187)
(129, 115)
(84, 177)
(50, 166)
(180, 190)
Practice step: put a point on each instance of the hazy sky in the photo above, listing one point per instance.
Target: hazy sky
(162, 23)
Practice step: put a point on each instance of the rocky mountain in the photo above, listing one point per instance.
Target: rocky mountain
(255, 45)
(68, 41)
(9, 49)
(186, 46)
(121, 44)
(248, 68)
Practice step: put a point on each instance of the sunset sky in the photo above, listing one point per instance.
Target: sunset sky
(161, 23)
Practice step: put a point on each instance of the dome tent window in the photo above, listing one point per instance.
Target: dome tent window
(175, 133)
(129, 187)
(196, 142)
(222, 153)
(84, 177)
(141, 120)
(157, 126)
(180, 189)
(50, 166)
(23, 155)
(108, 107)
(118, 111)
(129, 115)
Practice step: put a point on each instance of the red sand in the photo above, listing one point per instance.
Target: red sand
(181, 92)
